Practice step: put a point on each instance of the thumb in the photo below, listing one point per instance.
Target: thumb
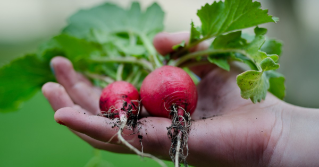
(164, 42)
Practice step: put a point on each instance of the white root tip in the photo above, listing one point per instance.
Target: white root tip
(178, 147)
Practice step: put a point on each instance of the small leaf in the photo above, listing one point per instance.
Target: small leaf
(195, 33)
(178, 46)
(276, 19)
(274, 57)
(220, 62)
(260, 31)
(230, 40)
(277, 84)
(269, 64)
(272, 46)
(253, 85)
(244, 59)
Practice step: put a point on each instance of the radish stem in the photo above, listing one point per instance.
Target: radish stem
(206, 52)
(137, 77)
(132, 74)
(119, 72)
(149, 46)
(131, 60)
(106, 79)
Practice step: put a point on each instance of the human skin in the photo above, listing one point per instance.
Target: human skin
(234, 131)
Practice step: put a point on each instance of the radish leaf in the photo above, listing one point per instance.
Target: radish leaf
(255, 84)
(221, 17)
(276, 84)
(272, 46)
(21, 79)
(220, 62)
(111, 19)
(195, 33)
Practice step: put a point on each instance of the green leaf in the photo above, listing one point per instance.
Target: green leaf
(230, 40)
(70, 47)
(253, 85)
(21, 79)
(108, 23)
(180, 45)
(268, 64)
(134, 50)
(253, 51)
(241, 58)
(79, 50)
(274, 57)
(253, 48)
(272, 46)
(234, 42)
(111, 19)
(152, 20)
(220, 62)
(277, 84)
(260, 31)
(195, 33)
(221, 17)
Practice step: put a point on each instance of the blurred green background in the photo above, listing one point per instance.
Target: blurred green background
(30, 137)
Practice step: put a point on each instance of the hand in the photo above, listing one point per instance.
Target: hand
(227, 131)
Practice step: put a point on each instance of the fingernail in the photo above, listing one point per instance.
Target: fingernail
(60, 122)
(52, 69)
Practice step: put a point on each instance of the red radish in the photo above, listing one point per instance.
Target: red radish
(120, 99)
(170, 92)
(166, 86)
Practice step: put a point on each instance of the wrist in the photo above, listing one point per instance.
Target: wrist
(298, 130)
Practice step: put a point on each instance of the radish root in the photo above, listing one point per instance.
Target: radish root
(130, 121)
(123, 141)
(178, 133)
(178, 147)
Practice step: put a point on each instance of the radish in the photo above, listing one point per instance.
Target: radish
(170, 92)
(121, 100)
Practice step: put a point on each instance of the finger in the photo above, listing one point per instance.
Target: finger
(202, 70)
(97, 143)
(153, 130)
(80, 92)
(93, 142)
(56, 95)
(58, 98)
(87, 82)
(164, 42)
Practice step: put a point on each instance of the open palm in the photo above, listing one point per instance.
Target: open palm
(227, 131)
